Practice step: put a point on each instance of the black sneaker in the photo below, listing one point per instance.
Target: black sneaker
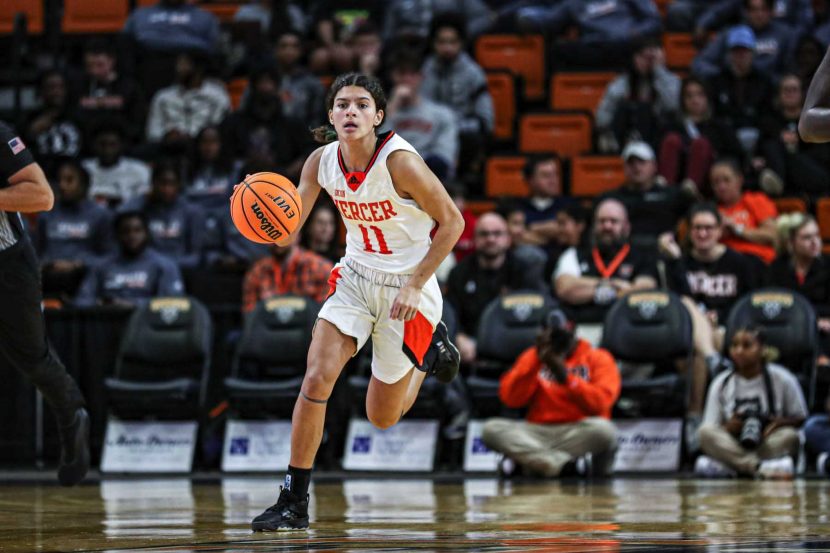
(446, 362)
(74, 436)
(288, 513)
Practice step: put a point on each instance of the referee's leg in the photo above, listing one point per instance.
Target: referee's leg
(24, 345)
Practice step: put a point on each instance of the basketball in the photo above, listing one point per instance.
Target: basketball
(266, 207)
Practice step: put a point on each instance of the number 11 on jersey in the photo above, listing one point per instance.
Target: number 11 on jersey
(367, 243)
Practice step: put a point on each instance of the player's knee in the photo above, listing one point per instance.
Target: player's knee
(318, 382)
(382, 421)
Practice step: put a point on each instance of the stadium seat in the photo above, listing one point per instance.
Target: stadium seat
(145, 3)
(161, 370)
(662, 5)
(823, 217)
(578, 91)
(224, 11)
(508, 326)
(650, 327)
(94, 16)
(503, 176)
(523, 56)
(790, 205)
(270, 360)
(481, 206)
(789, 322)
(236, 88)
(593, 175)
(33, 9)
(502, 88)
(680, 50)
(567, 134)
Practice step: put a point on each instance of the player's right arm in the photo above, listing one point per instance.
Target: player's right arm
(814, 123)
(309, 189)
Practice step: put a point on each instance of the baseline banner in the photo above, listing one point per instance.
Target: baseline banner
(648, 445)
(407, 446)
(256, 446)
(477, 456)
(139, 446)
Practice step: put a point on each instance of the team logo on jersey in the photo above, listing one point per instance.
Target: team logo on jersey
(16, 145)
(355, 179)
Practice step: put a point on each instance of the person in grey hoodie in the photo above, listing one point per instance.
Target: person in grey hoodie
(775, 43)
(635, 103)
(75, 236)
(428, 126)
(797, 14)
(607, 29)
(452, 78)
(414, 17)
(176, 226)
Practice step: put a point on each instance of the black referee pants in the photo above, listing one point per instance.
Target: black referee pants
(23, 341)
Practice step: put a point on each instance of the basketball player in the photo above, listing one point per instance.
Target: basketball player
(384, 287)
(814, 123)
(23, 343)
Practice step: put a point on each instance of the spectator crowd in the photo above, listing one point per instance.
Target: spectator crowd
(143, 140)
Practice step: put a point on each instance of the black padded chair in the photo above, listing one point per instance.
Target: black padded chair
(270, 361)
(789, 322)
(161, 370)
(508, 326)
(650, 327)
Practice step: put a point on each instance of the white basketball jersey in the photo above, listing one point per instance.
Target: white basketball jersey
(384, 231)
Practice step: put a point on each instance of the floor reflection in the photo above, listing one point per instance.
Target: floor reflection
(414, 514)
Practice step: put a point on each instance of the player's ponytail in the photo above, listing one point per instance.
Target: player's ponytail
(325, 134)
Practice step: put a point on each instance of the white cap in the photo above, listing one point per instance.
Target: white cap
(640, 150)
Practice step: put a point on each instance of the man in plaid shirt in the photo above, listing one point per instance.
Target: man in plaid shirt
(288, 270)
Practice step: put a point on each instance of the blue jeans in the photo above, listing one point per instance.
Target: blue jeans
(817, 432)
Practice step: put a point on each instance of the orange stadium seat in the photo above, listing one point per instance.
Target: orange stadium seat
(503, 177)
(567, 134)
(790, 205)
(593, 175)
(236, 88)
(663, 5)
(326, 81)
(145, 3)
(33, 9)
(578, 90)
(823, 217)
(680, 51)
(502, 88)
(521, 55)
(481, 206)
(94, 16)
(224, 11)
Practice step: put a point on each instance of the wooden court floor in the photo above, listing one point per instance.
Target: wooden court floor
(631, 514)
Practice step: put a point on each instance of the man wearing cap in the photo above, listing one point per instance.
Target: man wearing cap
(653, 207)
(773, 43)
(743, 92)
(569, 388)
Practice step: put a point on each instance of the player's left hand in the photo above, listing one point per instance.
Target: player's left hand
(406, 304)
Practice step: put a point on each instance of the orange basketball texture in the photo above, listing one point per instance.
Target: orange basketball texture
(266, 207)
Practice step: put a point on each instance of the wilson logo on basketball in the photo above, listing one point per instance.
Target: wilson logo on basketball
(264, 224)
(281, 203)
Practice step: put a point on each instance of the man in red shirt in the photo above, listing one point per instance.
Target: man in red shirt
(569, 388)
(288, 270)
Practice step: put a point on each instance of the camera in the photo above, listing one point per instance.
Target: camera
(751, 431)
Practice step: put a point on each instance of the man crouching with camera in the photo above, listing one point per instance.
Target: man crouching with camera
(752, 414)
(569, 388)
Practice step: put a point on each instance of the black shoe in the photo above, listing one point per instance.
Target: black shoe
(288, 513)
(74, 436)
(447, 359)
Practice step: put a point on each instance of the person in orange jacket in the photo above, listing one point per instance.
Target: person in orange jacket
(569, 388)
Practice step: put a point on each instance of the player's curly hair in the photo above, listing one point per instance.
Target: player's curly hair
(326, 133)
